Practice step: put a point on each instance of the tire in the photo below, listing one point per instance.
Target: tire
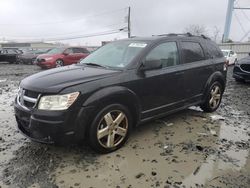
(59, 63)
(213, 97)
(109, 140)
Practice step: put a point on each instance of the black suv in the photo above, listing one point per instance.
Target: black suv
(119, 86)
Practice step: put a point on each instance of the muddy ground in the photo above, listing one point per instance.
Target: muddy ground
(187, 149)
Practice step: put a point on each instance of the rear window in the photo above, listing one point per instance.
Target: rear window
(192, 52)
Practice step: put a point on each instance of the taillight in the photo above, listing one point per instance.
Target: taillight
(226, 64)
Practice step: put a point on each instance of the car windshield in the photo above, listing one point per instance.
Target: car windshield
(56, 51)
(225, 53)
(115, 55)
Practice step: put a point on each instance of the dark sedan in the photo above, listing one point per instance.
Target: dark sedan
(30, 56)
(9, 55)
(241, 71)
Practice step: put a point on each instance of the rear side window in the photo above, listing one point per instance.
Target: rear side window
(166, 52)
(80, 50)
(192, 52)
(214, 51)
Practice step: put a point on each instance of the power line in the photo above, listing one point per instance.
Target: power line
(66, 21)
(108, 32)
(60, 34)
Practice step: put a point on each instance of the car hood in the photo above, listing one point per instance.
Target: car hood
(54, 80)
(245, 60)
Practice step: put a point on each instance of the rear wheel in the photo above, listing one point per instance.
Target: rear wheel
(213, 98)
(59, 63)
(110, 128)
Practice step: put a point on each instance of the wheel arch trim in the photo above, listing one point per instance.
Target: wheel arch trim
(216, 76)
(115, 94)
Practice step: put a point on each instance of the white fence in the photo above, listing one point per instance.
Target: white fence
(242, 49)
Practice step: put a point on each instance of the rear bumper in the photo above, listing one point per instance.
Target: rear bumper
(239, 74)
(52, 127)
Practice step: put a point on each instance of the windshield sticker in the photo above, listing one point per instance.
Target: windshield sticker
(138, 45)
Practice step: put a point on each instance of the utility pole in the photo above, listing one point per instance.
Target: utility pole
(230, 8)
(129, 29)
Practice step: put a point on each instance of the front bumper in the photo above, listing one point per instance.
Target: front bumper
(46, 64)
(52, 126)
(240, 74)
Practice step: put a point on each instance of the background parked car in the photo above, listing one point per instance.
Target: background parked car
(30, 56)
(241, 70)
(58, 57)
(9, 55)
(231, 56)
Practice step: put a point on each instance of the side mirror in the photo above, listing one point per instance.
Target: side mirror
(65, 53)
(151, 65)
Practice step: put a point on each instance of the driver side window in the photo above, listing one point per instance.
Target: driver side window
(166, 52)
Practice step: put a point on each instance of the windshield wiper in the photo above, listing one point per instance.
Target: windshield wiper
(95, 64)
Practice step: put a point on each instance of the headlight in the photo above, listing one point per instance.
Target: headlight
(48, 58)
(57, 102)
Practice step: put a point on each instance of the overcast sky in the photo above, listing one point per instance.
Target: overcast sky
(43, 19)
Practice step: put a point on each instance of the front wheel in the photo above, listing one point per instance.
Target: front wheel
(213, 98)
(59, 63)
(110, 128)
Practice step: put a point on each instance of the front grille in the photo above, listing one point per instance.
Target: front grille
(27, 99)
(31, 94)
(245, 67)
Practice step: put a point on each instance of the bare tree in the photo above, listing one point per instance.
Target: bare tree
(196, 29)
(216, 34)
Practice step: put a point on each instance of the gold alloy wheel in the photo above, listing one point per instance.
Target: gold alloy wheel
(215, 97)
(112, 129)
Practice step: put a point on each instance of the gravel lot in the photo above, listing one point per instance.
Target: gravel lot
(187, 149)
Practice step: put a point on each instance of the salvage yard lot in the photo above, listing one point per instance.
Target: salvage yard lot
(190, 148)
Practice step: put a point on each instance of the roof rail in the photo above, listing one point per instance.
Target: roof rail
(205, 37)
(188, 34)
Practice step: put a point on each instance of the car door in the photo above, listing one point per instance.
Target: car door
(69, 57)
(161, 90)
(198, 69)
(230, 57)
